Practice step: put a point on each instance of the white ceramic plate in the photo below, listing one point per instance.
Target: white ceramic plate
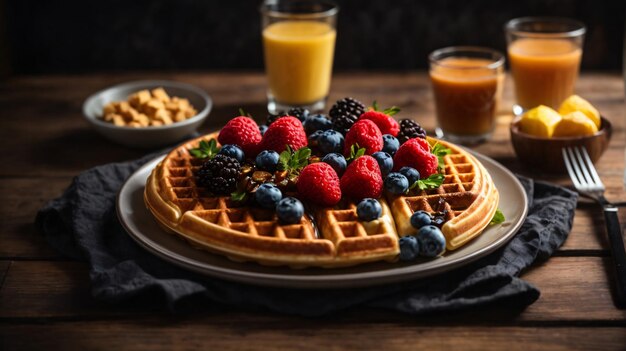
(142, 227)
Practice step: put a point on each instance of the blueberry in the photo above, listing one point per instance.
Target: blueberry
(420, 219)
(263, 129)
(432, 242)
(390, 144)
(396, 183)
(232, 151)
(337, 162)
(369, 209)
(411, 174)
(330, 141)
(385, 162)
(267, 195)
(409, 248)
(289, 210)
(267, 160)
(317, 122)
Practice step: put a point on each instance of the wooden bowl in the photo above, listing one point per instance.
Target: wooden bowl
(544, 154)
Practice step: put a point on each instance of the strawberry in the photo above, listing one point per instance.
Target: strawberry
(366, 134)
(284, 131)
(362, 179)
(416, 153)
(319, 184)
(243, 132)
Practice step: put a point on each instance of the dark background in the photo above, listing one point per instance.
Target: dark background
(76, 36)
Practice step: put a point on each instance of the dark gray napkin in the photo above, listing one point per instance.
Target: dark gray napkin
(82, 224)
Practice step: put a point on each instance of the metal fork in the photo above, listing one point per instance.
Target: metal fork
(588, 183)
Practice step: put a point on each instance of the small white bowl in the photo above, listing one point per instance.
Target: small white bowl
(147, 137)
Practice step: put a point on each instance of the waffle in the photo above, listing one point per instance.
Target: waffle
(330, 237)
(468, 198)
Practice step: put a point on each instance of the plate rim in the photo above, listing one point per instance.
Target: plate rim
(321, 281)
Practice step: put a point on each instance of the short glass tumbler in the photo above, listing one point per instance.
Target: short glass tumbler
(544, 55)
(467, 86)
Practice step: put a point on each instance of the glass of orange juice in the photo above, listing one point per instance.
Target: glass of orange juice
(298, 45)
(467, 86)
(544, 54)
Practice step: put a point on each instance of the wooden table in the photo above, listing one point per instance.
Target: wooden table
(45, 299)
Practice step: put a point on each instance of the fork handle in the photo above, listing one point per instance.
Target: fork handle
(616, 242)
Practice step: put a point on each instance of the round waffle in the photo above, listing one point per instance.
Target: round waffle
(326, 237)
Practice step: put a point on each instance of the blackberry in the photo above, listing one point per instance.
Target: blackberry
(345, 112)
(299, 112)
(219, 174)
(272, 117)
(410, 129)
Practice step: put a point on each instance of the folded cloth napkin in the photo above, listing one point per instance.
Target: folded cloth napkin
(82, 224)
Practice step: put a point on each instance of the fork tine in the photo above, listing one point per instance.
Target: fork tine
(570, 169)
(579, 175)
(592, 168)
(583, 166)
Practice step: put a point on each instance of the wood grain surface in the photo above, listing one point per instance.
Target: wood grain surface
(45, 299)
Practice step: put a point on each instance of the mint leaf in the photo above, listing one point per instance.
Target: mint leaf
(242, 112)
(375, 105)
(360, 153)
(353, 150)
(205, 149)
(283, 160)
(293, 161)
(440, 151)
(391, 110)
(432, 182)
(238, 196)
(498, 218)
(300, 158)
(356, 152)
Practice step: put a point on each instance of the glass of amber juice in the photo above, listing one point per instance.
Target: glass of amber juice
(467, 86)
(298, 45)
(544, 54)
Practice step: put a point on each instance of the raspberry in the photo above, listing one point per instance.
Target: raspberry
(319, 184)
(385, 123)
(416, 153)
(366, 134)
(243, 132)
(362, 179)
(284, 131)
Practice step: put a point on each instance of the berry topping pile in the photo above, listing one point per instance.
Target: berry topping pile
(301, 160)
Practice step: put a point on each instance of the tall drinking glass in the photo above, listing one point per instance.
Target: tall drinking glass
(467, 85)
(299, 44)
(544, 54)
